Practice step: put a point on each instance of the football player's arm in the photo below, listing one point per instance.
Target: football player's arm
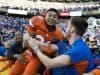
(52, 46)
(31, 26)
(32, 21)
(49, 62)
(41, 43)
(59, 61)
(46, 49)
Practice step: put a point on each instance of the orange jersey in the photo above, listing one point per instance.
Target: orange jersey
(38, 27)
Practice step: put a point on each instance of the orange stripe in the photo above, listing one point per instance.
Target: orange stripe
(81, 66)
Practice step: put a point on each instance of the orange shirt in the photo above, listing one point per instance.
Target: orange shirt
(38, 27)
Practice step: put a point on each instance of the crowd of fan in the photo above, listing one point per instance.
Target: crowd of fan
(9, 26)
(67, 9)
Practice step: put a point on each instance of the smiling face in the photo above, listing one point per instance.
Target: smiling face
(51, 18)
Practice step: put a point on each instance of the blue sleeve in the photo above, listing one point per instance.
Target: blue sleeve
(76, 54)
(62, 47)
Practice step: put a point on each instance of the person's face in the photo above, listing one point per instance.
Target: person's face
(69, 30)
(51, 18)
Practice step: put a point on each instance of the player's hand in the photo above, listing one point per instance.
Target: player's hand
(34, 45)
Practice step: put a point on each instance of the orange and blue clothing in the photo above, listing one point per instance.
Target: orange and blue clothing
(62, 45)
(40, 31)
(80, 52)
(81, 59)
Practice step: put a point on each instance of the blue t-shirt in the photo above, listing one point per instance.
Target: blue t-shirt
(62, 45)
(79, 51)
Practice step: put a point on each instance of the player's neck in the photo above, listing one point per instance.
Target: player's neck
(51, 28)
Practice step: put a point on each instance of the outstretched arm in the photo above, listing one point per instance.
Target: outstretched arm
(49, 62)
(58, 61)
